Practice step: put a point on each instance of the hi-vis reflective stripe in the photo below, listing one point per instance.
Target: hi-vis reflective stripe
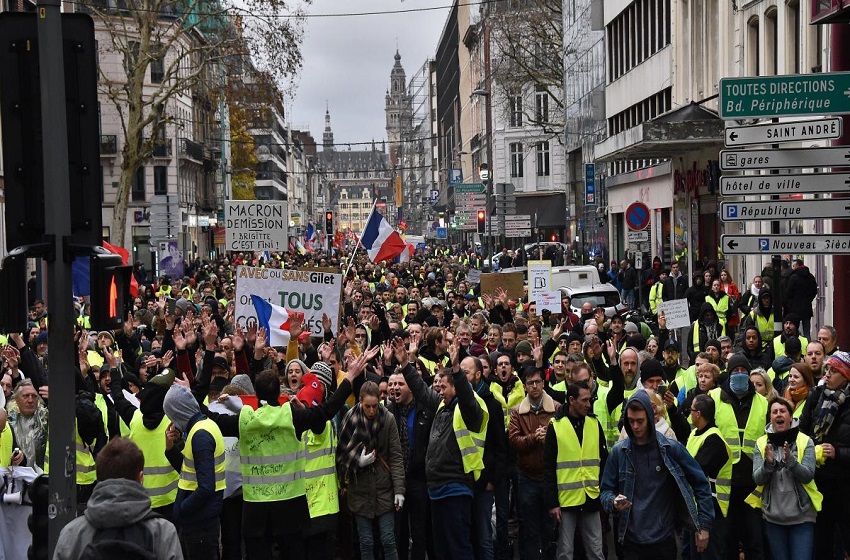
(318, 453)
(163, 490)
(576, 485)
(466, 432)
(277, 479)
(85, 468)
(756, 493)
(577, 464)
(158, 470)
(82, 448)
(193, 477)
(321, 472)
(270, 460)
(749, 444)
(190, 463)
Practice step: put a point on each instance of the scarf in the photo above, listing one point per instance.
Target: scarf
(797, 395)
(358, 433)
(830, 402)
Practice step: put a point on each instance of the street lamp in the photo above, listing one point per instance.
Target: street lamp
(485, 171)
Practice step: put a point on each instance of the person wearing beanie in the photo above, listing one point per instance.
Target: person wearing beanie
(273, 436)
(740, 415)
(325, 374)
(790, 329)
(295, 370)
(826, 419)
(243, 381)
(200, 462)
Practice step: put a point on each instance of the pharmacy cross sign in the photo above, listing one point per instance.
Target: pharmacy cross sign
(784, 96)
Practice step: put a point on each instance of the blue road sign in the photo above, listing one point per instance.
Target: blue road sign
(442, 233)
(731, 211)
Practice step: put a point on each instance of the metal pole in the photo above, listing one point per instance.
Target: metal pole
(62, 487)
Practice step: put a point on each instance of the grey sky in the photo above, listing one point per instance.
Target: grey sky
(347, 63)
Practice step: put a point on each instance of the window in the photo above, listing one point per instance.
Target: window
(516, 159)
(541, 105)
(158, 67)
(543, 159)
(160, 180)
(138, 190)
(516, 110)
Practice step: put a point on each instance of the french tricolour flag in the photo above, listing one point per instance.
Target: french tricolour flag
(380, 240)
(274, 319)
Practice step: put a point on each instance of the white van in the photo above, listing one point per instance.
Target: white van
(582, 284)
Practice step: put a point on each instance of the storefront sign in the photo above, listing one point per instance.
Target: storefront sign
(589, 184)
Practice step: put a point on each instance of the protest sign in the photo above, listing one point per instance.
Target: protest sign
(539, 278)
(676, 313)
(474, 276)
(511, 282)
(306, 291)
(550, 301)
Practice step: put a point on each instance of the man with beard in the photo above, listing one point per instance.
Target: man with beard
(790, 329)
(706, 327)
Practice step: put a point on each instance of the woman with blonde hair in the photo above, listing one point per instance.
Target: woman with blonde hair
(660, 412)
(800, 382)
(762, 383)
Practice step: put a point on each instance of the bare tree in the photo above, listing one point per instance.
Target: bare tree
(527, 50)
(156, 52)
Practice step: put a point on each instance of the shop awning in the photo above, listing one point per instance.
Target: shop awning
(550, 207)
(686, 129)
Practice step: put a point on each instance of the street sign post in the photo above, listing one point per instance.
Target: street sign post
(641, 236)
(637, 215)
(795, 244)
(776, 133)
(469, 188)
(799, 183)
(784, 96)
(787, 158)
(784, 210)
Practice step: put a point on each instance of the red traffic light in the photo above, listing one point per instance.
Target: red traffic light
(481, 214)
(329, 216)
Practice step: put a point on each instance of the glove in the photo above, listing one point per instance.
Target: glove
(399, 501)
(365, 459)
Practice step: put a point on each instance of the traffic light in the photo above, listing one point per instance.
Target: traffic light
(13, 286)
(110, 290)
(482, 217)
(329, 223)
(39, 497)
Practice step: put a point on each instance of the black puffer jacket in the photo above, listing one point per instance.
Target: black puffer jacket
(802, 289)
(833, 471)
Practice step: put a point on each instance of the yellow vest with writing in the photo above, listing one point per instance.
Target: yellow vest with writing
(188, 474)
(160, 478)
(740, 439)
(577, 468)
(320, 481)
(754, 499)
(272, 457)
(471, 443)
(721, 487)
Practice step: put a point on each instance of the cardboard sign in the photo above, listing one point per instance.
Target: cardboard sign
(676, 313)
(512, 282)
(550, 301)
(256, 225)
(306, 291)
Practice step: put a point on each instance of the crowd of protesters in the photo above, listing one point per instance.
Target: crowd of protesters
(441, 422)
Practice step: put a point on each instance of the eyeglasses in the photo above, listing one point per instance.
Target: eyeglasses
(534, 382)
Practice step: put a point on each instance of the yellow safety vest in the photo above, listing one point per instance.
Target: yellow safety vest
(720, 307)
(515, 396)
(164, 290)
(600, 410)
(6, 446)
(86, 473)
(272, 457)
(779, 346)
(764, 325)
(618, 412)
(695, 336)
(687, 378)
(432, 366)
(577, 468)
(471, 443)
(740, 439)
(655, 297)
(755, 498)
(188, 474)
(320, 479)
(721, 487)
(100, 403)
(160, 478)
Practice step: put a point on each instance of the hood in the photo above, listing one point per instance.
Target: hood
(766, 293)
(643, 398)
(180, 406)
(706, 307)
(782, 364)
(151, 399)
(117, 502)
(304, 368)
(780, 438)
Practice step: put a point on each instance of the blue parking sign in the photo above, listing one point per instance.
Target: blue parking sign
(732, 211)
(764, 244)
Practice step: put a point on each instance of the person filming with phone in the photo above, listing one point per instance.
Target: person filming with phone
(673, 489)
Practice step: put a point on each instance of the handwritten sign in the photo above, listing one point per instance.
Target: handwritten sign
(539, 280)
(676, 313)
(550, 301)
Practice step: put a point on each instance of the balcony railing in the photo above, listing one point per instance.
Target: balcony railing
(189, 149)
(162, 148)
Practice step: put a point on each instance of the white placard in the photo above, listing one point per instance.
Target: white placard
(539, 279)
(676, 313)
(256, 225)
(308, 291)
(550, 301)
(474, 276)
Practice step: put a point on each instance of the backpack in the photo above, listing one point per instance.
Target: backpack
(133, 542)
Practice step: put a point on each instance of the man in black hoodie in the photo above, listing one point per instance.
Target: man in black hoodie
(706, 327)
(800, 292)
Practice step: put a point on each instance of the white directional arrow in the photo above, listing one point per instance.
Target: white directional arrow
(795, 244)
(847, 92)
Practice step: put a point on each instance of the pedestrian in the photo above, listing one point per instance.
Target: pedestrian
(118, 519)
(371, 470)
(647, 480)
(800, 293)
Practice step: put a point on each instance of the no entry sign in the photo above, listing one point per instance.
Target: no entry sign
(637, 215)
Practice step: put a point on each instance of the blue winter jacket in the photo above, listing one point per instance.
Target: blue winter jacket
(696, 508)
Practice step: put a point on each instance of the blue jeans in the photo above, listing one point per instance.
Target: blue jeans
(386, 528)
(482, 524)
(452, 519)
(790, 542)
(536, 524)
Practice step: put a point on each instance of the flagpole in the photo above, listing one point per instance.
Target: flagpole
(351, 259)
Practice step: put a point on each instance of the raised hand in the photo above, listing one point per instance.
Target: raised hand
(261, 341)
(167, 357)
(238, 338)
(110, 357)
(454, 352)
(295, 329)
(400, 352)
(179, 339)
(210, 333)
(326, 350)
(662, 321)
(350, 328)
(251, 334)
(326, 322)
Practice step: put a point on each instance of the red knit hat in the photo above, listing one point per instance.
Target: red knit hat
(312, 393)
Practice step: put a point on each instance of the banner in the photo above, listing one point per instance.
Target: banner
(308, 291)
